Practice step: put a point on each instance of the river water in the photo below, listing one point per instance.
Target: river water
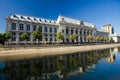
(92, 65)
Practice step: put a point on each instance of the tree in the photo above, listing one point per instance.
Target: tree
(1, 39)
(73, 37)
(105, 39)
(6, 36)
(59, 36)
(101, 39)
(1, 36)
(37, 34)
(24, 36)
(111, 39)
(97, 38)
(90, 38)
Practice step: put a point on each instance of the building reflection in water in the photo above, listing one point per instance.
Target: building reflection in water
(111, 58)
(53, 67)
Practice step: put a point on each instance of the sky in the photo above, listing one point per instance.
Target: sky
(98, 12)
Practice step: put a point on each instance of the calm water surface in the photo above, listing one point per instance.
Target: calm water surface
(93, 65)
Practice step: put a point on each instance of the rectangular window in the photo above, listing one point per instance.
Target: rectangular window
(80, 32)
(13, 26)
(46, 35)
(46, 39)
(34, 27)
(76, 32)
(66, 31)
(28, 28)
(55, 30)
(51, 39)
(13, 38)
(13, 34)
(21, 27)
(40, 28)
(28, 37)
(50, 29)
(46, 29)
(71, 31)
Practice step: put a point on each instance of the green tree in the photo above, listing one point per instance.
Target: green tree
(6, 36)
(1, 36)
(111, 39)
(37, 34)
(101, 39)
(24, 36)
(1, 39)
(90, 38)
(59, 36)
(106, 39)
(97, 38)
(73, 37)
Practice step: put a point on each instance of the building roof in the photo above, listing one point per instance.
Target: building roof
(102, 30)
(114, 35)
(31, 19)
(47, 21)
(75, 21)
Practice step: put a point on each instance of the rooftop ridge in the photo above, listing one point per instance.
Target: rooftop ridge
(34, 17)
(76, 19)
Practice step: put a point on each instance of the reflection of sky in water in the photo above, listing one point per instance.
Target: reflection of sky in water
(2, 65)
(96, 65)
(2, 77)
(102, 71)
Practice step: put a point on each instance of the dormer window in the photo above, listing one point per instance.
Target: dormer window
(54, 22)
(40, 20)
(35, 19)
(15, 16)
(45, 21)
(82, 23)
(50, 21)
(62, 19)
(22, 17)
(29, 18)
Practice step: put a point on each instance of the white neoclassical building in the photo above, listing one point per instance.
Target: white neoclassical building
(17, 24)
(102, 33)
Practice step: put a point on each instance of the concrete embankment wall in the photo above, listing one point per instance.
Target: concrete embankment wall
(31, 53)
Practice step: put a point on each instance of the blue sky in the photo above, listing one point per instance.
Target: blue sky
(98, 12)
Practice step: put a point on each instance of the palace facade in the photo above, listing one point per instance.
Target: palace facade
(17, 24)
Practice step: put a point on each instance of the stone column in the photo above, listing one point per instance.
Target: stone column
(53, 30)
(24, 27)
(17, 26)
(78, 35)
(48, 29)
(31, 28)
(31, 38)
(82, 36)
(53, 36)
(64, 34)
(48, 37)
(17, 37)
(43, 37)
(42, 29)
(74, 31)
